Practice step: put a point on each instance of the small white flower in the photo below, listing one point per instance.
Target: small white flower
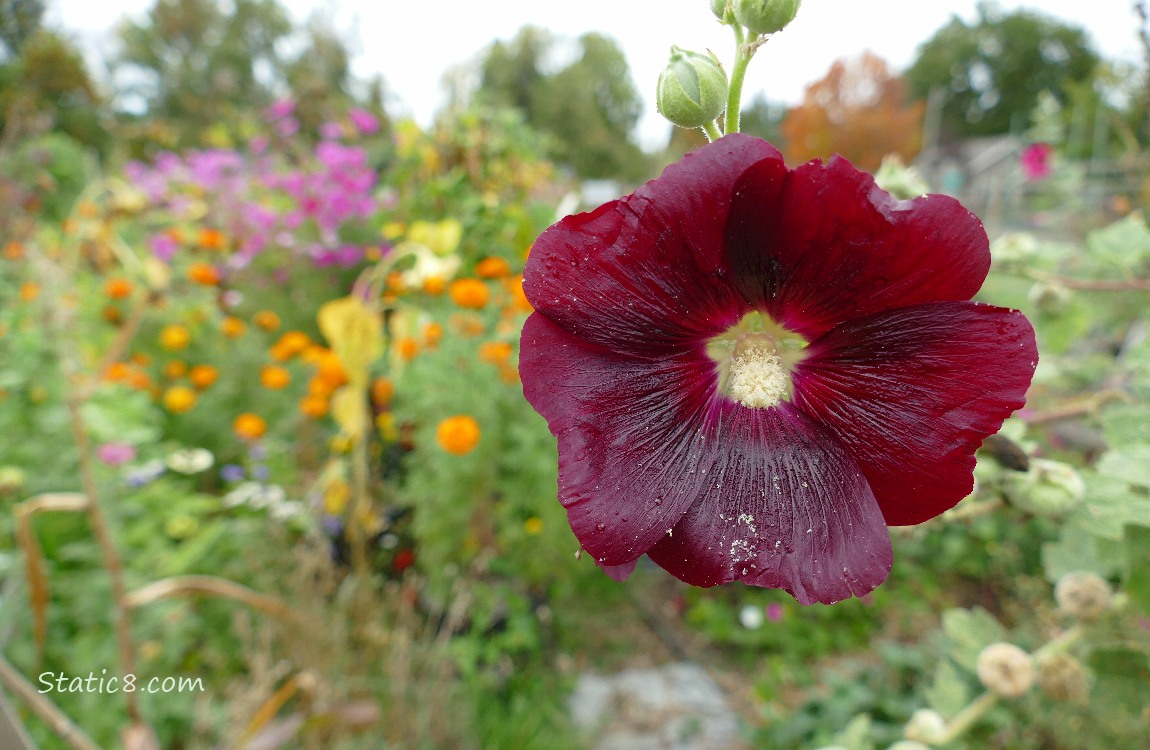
(190, 460)
(751, 617)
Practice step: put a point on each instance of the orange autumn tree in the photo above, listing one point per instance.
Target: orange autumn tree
(859, 110)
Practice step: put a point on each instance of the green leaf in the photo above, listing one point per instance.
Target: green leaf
(969, 631)
(1074, 550)
(1121, 676)
(856, 734)
(1110, 504)
(1123, 424)
(1129, 462)
(1124, 244)
(949, 692)
(1138, 562)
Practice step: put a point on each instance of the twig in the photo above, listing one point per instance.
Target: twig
(64, 727)
(192, 585)
(1078, 408)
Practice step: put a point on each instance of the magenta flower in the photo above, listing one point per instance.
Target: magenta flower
(751, 371)
(365, 122)
(116, 453)
(1035, 161)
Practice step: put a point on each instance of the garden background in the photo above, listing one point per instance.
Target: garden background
(218, 462)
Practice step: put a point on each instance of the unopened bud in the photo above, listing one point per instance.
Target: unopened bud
(1050, 297)
(721, 9)
(765, 16)
(692, 89)
(1048, 488)
(12, 479)
(1005, 670)
(1082, 595)
(925, 726)
(1063, 678)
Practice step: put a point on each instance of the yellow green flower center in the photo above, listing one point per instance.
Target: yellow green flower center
(755, 359)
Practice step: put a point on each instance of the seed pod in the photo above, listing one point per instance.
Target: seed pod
(1005, 670)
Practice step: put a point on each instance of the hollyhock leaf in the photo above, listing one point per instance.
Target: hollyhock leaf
(833, 246)
(628, 464)
(647, 271)
(913, 392)
(785, 507)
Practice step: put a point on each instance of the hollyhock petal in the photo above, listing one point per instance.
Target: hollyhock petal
(785, 507)
(913, 392)
(647, 271)
(834, 246)
(629, 463)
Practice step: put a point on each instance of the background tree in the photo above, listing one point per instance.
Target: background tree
(991, 72)
(859, 110)
(589, 108)
(19, 20)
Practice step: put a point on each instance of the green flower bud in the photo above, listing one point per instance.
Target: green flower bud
(12, 479)
(925, 726)
(765, 16)
(720, 8)
(1050, 297)
(1049, 488)
(1082, 595)
(1062, 678)
(899, 180)
(1005, 670)
(692, 89)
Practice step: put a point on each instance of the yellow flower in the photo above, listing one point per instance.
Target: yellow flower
(175, 337)
(203, 376)
(434, 285)
(274, 377)
(179, 399)
(393, 230)
(232, 327)
(533, 525)
(470, 293)
(267, 320)
(442, 238)
(335, 497)
(458, 435)
(248, 426)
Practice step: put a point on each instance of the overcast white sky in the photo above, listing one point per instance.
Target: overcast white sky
(413, 42)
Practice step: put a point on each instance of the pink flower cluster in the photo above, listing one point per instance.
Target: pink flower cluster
(264, 199)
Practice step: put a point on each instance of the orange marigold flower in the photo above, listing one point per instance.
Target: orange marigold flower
(330, 370)
(495, 352)
(395, 281)
(13, 251)
(211, 239)
(313, 406)
(493, 268)
(470, 293)
(175, 368)
(274, 377)
(112, 314)
(141, 359)
(434, 285)
(432, 334)
(175, 337)
(290, 344)
(320, 388)
(382, 390)
(203, 376)
(179, 399)
(232, 327)
(267, 320)
(29, 291)
(313, 353)
(204, 273)
(508, 373)
(407, 348)
(248, 426)
(458, 435)
(118, 288)
(140, 380)
(117, 372)
(518, 298)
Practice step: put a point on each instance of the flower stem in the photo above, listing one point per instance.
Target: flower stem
(711, 130)
(744, 51)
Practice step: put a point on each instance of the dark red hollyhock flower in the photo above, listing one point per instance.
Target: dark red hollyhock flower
(751, 371)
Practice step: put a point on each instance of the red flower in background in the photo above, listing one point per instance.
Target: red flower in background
(1035, 161)
(751, 370)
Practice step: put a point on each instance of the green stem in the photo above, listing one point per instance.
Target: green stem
(744, 52)
(711, 130)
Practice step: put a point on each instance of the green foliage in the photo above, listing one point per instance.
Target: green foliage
(991, 72)
(589, 108)
(19, 20)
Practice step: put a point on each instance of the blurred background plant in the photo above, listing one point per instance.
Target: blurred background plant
(263, 424)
